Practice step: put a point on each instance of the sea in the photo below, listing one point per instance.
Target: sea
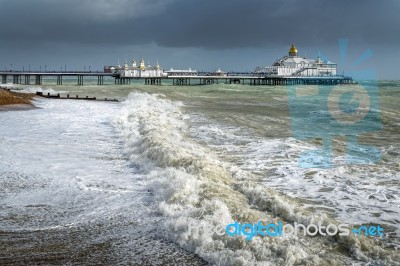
(140, 181)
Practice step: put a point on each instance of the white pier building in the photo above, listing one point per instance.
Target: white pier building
(181, 72)
(141, 71)
(294, 65)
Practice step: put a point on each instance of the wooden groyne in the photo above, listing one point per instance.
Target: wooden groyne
(75, 97)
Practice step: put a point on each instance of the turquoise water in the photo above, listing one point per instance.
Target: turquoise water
(138, 172)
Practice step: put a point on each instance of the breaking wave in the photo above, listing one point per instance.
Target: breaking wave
(192, 185)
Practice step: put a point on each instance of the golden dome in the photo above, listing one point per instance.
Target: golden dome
(293, 50)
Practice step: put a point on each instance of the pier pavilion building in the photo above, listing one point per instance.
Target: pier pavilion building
(141, 71)
(294, 65)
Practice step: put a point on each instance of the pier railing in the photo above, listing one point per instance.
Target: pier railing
(202, 78)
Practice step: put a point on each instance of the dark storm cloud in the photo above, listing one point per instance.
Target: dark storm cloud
(194, 23)
(232, 34)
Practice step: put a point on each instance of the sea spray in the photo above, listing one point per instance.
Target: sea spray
(192, 185)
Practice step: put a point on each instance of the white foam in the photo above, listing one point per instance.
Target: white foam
(192, 185)
(41, 89)
(65, 157)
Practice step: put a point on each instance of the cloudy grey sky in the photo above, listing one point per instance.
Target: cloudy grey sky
(202, 34)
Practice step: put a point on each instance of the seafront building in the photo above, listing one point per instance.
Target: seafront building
(294, 65)
(289, 66)
(219, 73)
(135, 71)
(181, 72)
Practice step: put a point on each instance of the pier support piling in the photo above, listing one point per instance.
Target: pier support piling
(80, 80)
(38, 79)
(122, 81)
(59, 80)
(234, 81)
(152, 81)
(207, 81)
(17, 79)
(181, 81)
(27, 79)
(100, 80)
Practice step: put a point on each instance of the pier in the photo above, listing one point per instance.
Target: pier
(259, 80)
(291, 69)
(36, 78)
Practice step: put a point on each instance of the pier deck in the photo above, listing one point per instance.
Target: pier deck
(36, 78)
(23, 77)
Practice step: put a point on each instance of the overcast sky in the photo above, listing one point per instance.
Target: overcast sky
(202, 34)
